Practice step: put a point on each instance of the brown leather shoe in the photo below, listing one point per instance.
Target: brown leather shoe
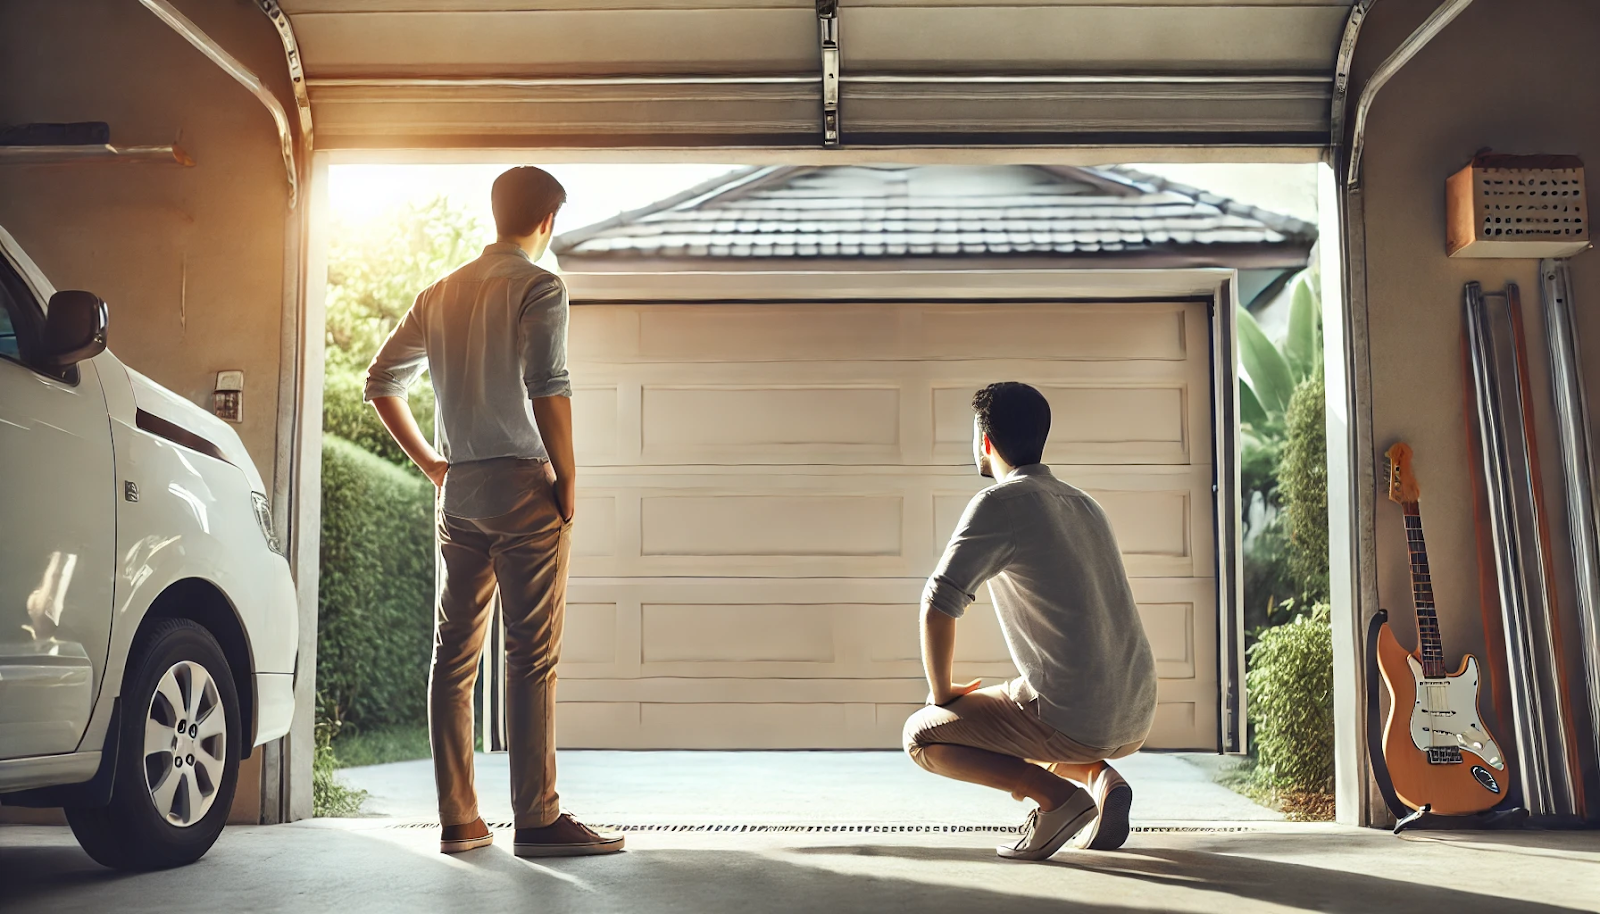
(458, 838)
(565, 837)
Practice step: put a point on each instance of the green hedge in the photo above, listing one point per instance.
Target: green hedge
(1303, 486)
(375, 619)
(344, 415)
(1289, 689)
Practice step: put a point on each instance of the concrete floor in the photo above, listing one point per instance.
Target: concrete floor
(841, 833)
(361, 865)
(788, 788)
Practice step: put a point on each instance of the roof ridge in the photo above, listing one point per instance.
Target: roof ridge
(1291, 226)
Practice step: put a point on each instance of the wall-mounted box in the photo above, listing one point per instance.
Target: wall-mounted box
(1517, 206)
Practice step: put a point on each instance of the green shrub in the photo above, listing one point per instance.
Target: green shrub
(1289, 689)
(345, 415)
(375, 620)
(1303, 488)
(328, 796)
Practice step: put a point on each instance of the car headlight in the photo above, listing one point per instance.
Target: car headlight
(264, 519)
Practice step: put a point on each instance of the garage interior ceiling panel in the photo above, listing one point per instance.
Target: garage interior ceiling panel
(465, 73)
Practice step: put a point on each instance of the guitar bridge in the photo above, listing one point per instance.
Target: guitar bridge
(1444, 755)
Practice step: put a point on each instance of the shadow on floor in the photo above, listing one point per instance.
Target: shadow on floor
(1239, 877)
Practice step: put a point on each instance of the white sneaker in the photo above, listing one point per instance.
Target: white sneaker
(1114, 797)
(1045, 832)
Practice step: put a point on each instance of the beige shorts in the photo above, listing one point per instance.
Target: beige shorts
(991, 719)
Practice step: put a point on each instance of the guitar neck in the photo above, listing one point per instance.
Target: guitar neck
(1429, 642)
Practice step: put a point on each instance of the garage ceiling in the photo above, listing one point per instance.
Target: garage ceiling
(474, 73)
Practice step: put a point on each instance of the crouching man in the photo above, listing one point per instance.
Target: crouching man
(1087, 692)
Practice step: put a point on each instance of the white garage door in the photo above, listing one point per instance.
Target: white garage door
(766, 487)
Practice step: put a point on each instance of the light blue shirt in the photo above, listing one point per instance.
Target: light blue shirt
(493, 336)
(1066, 609)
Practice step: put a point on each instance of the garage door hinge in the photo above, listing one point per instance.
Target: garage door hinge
(828, 38)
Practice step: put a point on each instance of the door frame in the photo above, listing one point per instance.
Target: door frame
(299, 473)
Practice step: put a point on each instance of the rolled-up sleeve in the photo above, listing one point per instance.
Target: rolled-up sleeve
(543, 327)
(400, 359)
(980, 548)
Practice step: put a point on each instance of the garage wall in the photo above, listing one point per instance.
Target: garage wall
(191, 260)
(1520, 78)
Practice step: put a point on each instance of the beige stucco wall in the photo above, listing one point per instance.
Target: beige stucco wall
(1518, 77)
(190, 260)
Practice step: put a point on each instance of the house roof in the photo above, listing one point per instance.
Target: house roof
(851, 212)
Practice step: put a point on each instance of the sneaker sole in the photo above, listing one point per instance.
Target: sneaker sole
(1056, 842)
(465, 844)
(568, 850)
(1110, 830)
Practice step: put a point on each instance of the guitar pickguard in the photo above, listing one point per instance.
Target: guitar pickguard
(1444, 721)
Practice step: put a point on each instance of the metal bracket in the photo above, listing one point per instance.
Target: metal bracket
(1341, 71)
(828, 41)
(243, 75)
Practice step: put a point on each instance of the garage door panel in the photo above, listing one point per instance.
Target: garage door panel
(770, 525)
(594, 424)
(783, 333)
(1090, 333)
(766, 487)
(790, 423)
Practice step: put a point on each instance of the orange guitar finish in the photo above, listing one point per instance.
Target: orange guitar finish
(1450, 790)
(1438, 752)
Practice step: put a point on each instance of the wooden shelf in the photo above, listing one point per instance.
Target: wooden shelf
(96, 154)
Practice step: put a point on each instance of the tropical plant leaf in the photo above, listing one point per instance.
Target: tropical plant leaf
(1303, 346)
(1251, 412)
(1270, 377)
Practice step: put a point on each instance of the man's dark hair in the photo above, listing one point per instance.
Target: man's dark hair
(1016, 418)
(524, 197)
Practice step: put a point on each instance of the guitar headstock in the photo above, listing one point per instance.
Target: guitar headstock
(1403, 488)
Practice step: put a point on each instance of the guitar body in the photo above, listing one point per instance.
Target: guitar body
(1437, 750)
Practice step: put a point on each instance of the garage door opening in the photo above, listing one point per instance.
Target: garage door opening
(772, 368)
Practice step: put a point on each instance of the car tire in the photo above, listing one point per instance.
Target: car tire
(168, 805)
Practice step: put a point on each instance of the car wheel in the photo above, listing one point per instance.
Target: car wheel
(178, 756)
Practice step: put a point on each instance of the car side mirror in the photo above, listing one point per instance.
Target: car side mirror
(74, 329)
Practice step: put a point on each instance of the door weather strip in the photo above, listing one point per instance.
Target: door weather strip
(242, 74)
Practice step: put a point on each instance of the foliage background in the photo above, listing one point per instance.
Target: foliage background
(375, 621)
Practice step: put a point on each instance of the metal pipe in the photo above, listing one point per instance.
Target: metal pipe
(1532, 765)
(1577, 464)
(1341, 70)
(1441, 17)
(241, 74)
(1539, 571)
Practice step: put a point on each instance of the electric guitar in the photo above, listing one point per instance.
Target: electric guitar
(1440, 755)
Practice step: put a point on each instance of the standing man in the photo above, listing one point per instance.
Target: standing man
(493, 335)
(1087, 692)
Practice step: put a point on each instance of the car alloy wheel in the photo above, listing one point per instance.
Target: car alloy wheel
(185, 743)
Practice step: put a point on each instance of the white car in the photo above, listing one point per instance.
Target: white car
(148, 628)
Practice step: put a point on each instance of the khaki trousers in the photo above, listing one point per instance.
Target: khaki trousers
(525, 552)
(992, 719)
